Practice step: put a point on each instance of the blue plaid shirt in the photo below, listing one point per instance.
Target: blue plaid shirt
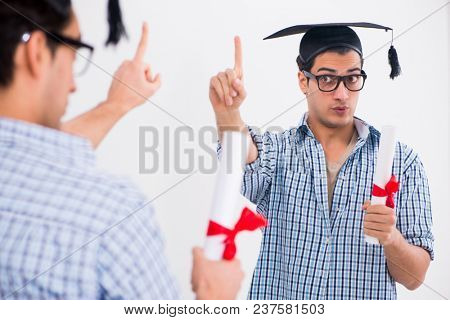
(310, 251)
(66, 229)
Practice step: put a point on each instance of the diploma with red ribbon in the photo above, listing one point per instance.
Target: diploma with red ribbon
(387, 192)
(248, 221)
(385, 184)
(231, 213)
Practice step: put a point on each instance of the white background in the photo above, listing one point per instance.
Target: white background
(192, 40)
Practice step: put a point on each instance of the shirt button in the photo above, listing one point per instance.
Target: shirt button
(327, 241)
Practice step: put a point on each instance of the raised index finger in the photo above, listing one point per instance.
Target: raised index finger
(142, 46)
(238, 56)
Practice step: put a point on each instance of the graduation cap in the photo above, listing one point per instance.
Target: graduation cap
(116, 27)
(321, 37)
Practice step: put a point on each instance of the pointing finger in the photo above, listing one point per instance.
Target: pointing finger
(238, 56)
(142, 46)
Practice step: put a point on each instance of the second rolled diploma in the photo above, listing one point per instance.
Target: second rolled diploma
(229, 212)
(384, 183)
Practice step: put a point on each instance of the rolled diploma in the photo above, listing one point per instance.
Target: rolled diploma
(227, 203)
(383, 170)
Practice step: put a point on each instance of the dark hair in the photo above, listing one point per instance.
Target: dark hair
(18, 17)
(307, 66)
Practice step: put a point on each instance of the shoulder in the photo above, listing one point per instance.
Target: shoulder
(279, 140)
(96, 200)
(405, 157)
(117, 192)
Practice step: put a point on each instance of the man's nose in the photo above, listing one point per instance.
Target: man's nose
(341, 92)
(73, 86)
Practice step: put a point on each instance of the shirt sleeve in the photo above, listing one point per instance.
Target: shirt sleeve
(131, 260)
(414, 218)
(258, 175)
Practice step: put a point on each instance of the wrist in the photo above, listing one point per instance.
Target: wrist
(229, 120)
(395, 242)
(205, 293)
(114, 108)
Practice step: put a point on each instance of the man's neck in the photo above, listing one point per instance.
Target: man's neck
(327, 136)
(17, 105)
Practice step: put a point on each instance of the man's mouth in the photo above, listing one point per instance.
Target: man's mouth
(340, 108)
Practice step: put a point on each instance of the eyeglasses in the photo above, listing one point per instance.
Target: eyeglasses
(83, 50)
(330, 82)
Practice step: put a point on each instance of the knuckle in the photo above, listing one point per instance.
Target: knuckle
(392, 218)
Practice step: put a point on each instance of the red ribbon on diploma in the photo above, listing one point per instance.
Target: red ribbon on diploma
(388, 191)
(248, 221)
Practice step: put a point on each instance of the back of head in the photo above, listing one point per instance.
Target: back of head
(21, 16)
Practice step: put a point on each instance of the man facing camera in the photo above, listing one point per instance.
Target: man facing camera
(313, 182)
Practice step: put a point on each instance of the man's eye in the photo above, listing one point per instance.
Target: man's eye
(352, 79)
(326, 79)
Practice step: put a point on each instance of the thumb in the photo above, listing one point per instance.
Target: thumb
(366, 204)
(239, 87)
(198, 254)
(148, 72)
(155, 83)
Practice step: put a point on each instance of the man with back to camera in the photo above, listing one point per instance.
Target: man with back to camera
(67, 230)
(313, 182)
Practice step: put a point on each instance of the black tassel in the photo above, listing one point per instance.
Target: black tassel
(393, 62)
(116, 27)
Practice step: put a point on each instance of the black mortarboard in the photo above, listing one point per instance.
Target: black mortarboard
(321, 37)
(116, 27)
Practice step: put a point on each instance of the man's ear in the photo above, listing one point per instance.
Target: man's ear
(302, 82)
(36, 54)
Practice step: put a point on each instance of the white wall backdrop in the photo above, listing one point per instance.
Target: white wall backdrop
(192, 40)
